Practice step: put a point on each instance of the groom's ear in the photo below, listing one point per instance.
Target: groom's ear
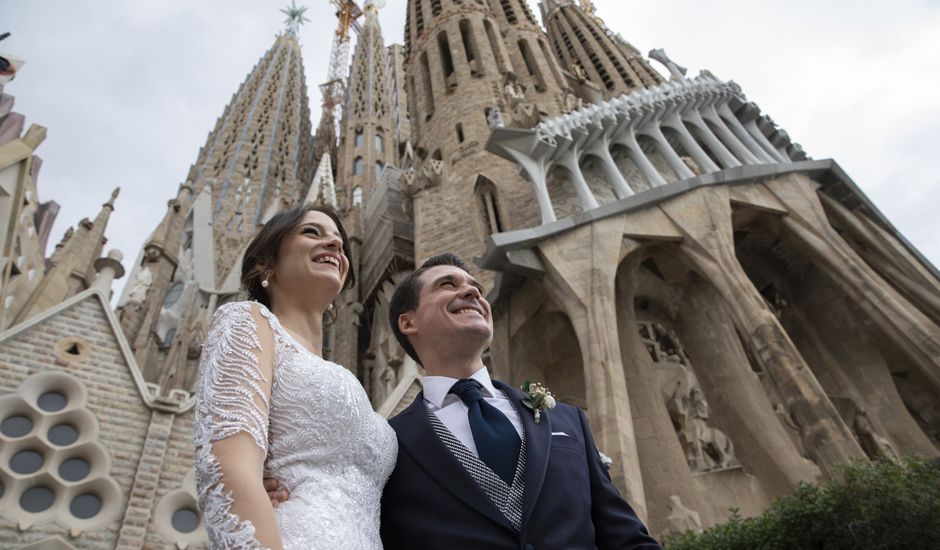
(406, 323)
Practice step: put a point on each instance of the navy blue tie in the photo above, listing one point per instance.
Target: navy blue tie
(497, 441)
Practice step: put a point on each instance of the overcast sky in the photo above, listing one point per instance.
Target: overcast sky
(130, 89)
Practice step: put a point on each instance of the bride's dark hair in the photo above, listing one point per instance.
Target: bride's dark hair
(261, 253)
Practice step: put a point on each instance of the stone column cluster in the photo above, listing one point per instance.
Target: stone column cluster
(710, 121)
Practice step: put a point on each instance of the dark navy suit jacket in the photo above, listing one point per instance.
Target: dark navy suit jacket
(430, 501)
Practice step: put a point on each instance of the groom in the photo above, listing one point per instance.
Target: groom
(475, 470)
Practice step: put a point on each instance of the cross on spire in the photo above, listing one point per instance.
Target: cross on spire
(295, 17)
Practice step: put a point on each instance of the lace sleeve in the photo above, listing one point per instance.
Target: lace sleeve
(232, 397)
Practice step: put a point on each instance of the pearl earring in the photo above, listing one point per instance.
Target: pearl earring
(264, 283)
(329, 307)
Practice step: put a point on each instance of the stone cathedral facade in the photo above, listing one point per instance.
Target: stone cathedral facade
(734, 316)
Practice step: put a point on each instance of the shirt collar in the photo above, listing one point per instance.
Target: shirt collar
(436, 388)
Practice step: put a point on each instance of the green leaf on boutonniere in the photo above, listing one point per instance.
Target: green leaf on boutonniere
(525, 386)
(528, 403)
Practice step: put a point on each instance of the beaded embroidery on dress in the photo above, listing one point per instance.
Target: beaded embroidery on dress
(321, 437)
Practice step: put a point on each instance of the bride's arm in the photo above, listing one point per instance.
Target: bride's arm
(236, 370)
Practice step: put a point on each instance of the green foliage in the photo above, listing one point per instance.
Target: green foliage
(877, 505)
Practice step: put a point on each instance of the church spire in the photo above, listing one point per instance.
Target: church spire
(260, 150)
(72, 263)
(588, 48)
(257, 159)
(367, 144)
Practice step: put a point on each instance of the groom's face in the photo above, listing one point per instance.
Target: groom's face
(451, 302)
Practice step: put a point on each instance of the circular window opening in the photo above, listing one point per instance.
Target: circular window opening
(52, 401)
(85, 506)
(26, 462)
(37, 499)
(16, 426)
(62, 435)
(74, 469)
(185, 520)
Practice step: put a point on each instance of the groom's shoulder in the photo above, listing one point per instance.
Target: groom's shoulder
(408, 414)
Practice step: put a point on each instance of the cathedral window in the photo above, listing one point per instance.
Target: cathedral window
(530, 64)
(447, 62)
(428, 89)
(459, 129)
(379, 142)
(494, 45)
(50, 437)
(489, 206)
(173, 295)
(378, 168)
(359, 137)
(357, 195)
(509, 11)
(435, 7)
(357, 166)
(470, 48)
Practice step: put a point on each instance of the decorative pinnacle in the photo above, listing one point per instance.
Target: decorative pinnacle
(295, 17)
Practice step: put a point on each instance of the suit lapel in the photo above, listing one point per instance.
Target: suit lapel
(538, 447)
(416, 436)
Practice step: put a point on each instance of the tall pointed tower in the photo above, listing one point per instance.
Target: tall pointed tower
(587, 47)
(367, 142)
(258, 158)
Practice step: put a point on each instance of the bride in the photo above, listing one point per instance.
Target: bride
(269, 404)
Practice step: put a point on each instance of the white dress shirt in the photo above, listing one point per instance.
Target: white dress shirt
(452, 411)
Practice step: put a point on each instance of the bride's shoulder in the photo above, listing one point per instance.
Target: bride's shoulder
(245, 312)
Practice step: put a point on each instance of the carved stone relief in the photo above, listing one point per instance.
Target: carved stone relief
(681, 518)
(922, 403)
(706, 448)
(873, 443)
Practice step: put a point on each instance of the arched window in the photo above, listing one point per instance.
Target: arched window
(379, 142)
(459, 129)
(357, 196)
(447, 62)
(494, 45)
(428, 88)
(359, 137)
(378, 168)
(531, 65)
(173, 295)
(485, 191)
(357, 166)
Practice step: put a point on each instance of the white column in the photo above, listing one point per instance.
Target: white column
(570, 162)
(672, 158)
(688, 142)
(600, 149)
(725, 157)
(743, 135)
(652, 175)
(760, 138)
(728, 138)
(536, 173)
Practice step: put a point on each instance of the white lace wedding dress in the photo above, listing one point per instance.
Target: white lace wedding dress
(322, 439)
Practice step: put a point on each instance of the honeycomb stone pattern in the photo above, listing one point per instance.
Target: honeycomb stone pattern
(52, 468)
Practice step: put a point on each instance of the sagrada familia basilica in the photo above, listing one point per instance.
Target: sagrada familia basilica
(734, 316)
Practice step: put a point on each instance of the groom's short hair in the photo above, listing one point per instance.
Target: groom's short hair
(407, 296)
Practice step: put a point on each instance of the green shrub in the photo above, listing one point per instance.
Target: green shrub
(877, 505)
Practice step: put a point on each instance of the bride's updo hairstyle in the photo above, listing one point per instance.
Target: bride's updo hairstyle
(261, 253)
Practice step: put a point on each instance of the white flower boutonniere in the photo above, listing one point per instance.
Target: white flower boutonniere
(538, 398)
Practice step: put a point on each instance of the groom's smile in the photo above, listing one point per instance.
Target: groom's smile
(452, 302)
